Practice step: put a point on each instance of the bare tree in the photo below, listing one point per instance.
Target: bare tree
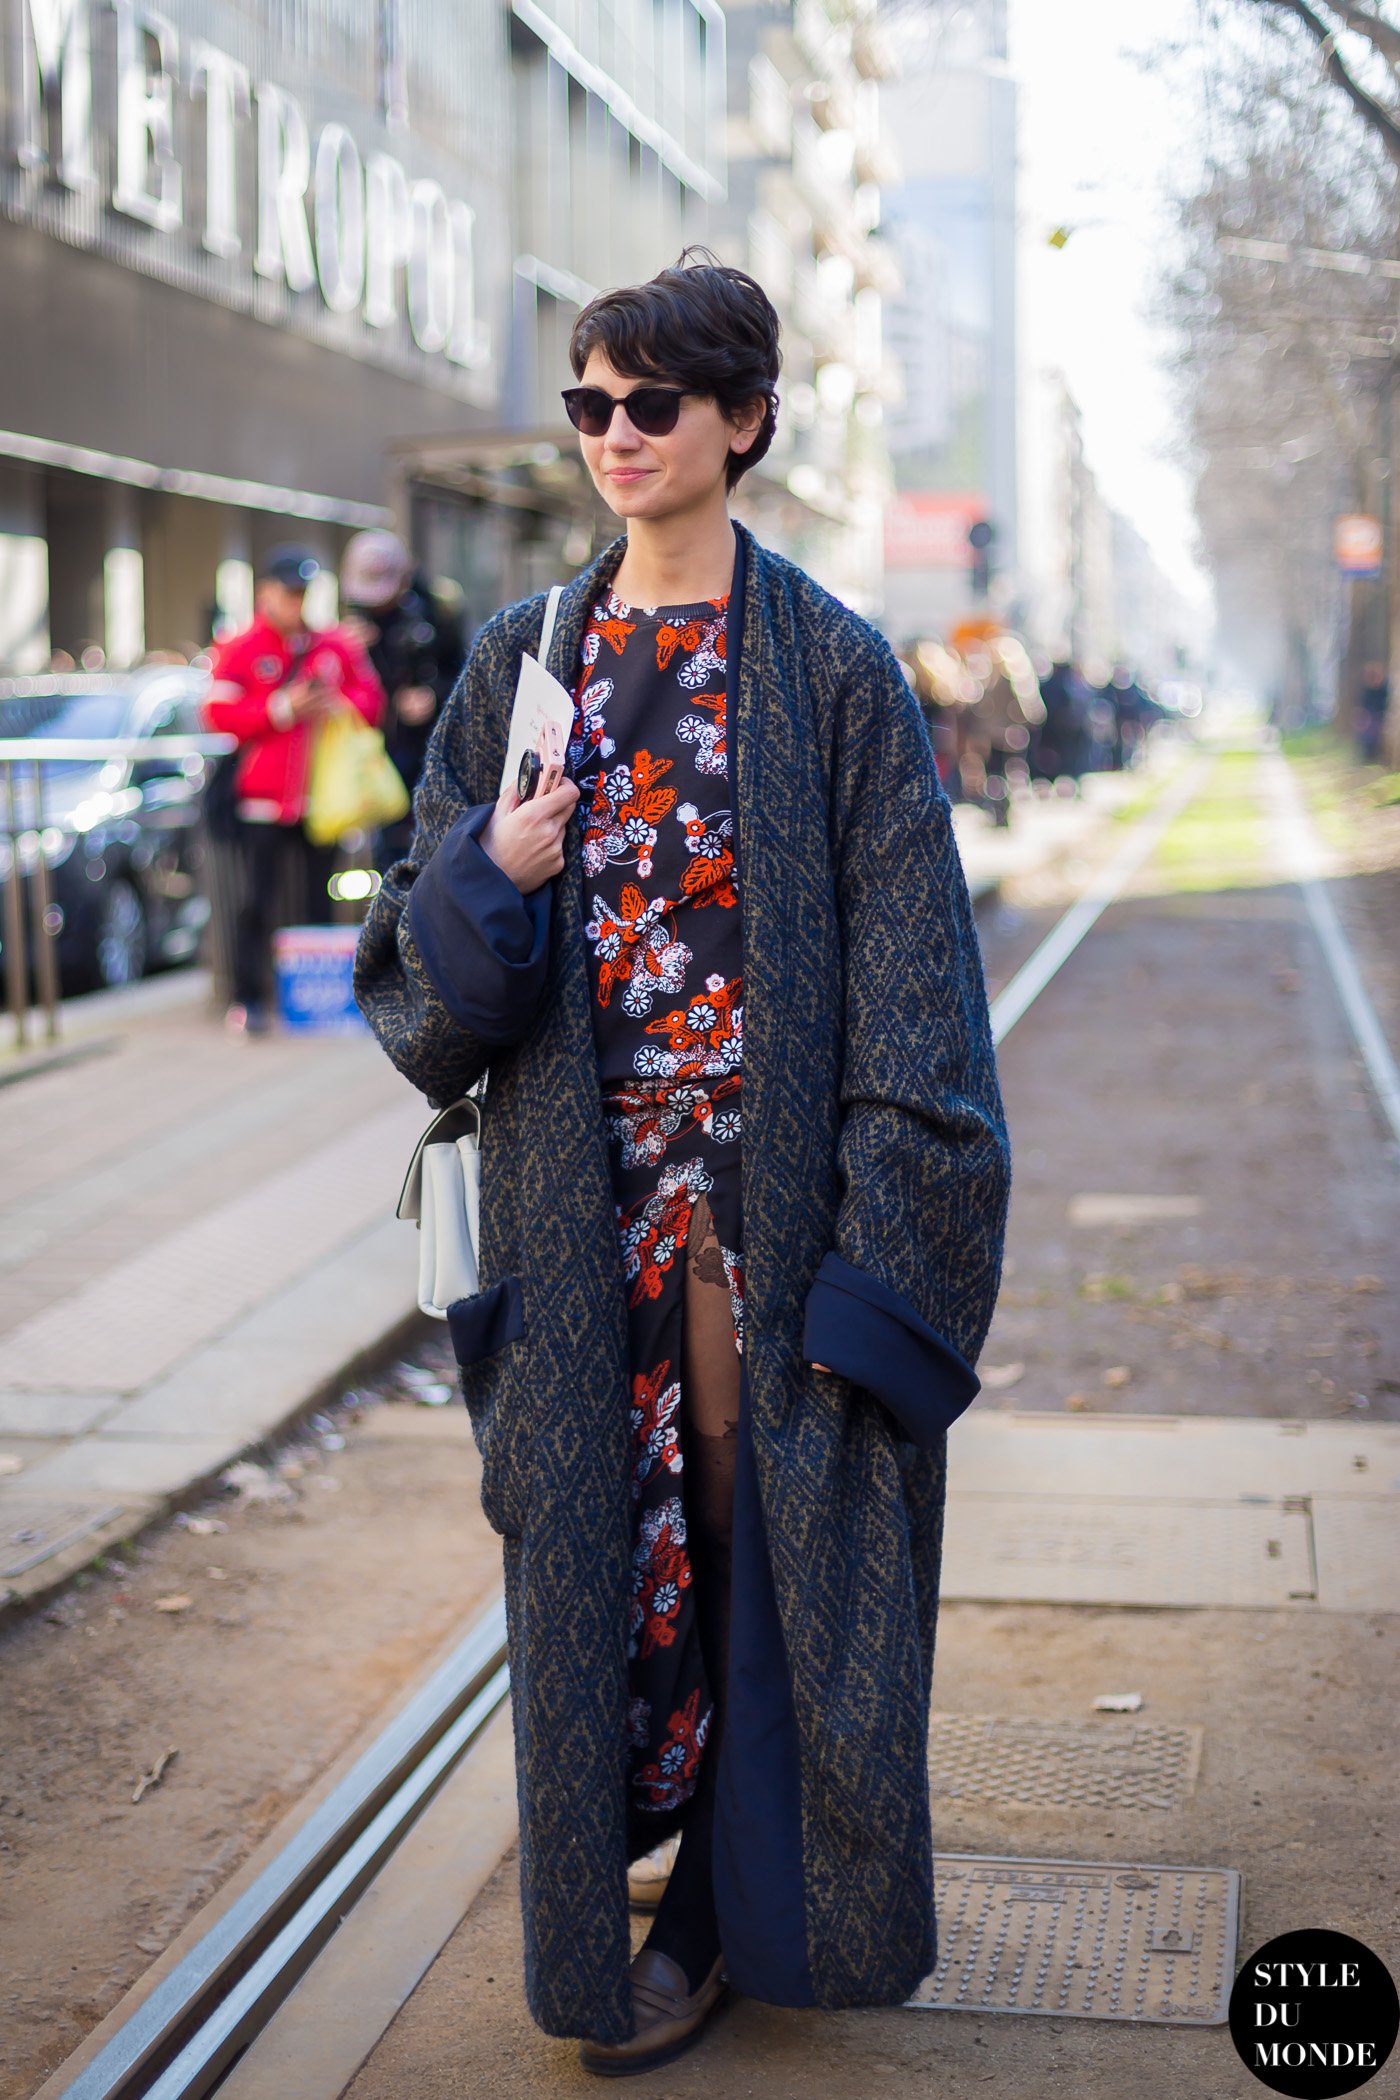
(1359, 52)
(1332, 23)
(1284, 366)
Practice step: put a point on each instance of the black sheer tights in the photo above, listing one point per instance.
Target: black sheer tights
(685, 1926)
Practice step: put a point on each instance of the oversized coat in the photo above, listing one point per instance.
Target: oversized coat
(875, 1181)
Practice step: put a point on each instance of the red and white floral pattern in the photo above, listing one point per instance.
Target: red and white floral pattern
(665, 953)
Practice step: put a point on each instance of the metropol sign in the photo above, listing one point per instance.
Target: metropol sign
(350, 230)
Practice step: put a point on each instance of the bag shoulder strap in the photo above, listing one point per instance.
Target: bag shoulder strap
(551, 612)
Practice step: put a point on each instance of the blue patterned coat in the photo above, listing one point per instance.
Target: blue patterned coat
(875, 1181)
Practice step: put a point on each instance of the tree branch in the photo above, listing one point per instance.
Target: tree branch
(1372, 113)
(1380, 35)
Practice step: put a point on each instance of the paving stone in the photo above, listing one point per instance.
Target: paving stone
(52, 1414)
(121, 1466)
(142, 1317)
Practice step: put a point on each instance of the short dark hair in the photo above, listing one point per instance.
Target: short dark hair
(707, 326)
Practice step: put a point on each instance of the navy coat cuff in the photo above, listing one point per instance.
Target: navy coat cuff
(483, 944)
(864, 1331)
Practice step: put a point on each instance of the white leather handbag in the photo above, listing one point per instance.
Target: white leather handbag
(442, 1197)
(442, 1189)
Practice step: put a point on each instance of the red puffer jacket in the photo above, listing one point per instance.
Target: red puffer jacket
(274, 764)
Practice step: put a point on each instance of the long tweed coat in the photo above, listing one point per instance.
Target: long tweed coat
(874, 1148)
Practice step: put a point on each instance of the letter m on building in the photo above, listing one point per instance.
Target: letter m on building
(49, 55)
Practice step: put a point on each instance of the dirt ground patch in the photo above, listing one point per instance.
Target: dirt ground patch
(306, 1616)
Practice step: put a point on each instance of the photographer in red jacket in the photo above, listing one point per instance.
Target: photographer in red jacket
(272, 685)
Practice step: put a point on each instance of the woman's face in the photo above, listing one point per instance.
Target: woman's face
(656, 477)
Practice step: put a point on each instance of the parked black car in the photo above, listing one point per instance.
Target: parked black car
(122, 838)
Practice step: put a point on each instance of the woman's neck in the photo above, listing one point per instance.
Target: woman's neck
(677, 561)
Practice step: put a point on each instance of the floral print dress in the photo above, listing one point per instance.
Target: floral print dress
(663, 926)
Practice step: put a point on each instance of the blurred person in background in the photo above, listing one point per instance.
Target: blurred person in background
(1134, 712)
(271, 685)
(1001, 719)
(1371, 705)
(939, 679)
(416, 649)
(1062, 747)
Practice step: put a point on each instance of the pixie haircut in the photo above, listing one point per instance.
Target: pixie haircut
(708, 328)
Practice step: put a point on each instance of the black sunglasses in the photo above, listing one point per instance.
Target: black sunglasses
(654, 410)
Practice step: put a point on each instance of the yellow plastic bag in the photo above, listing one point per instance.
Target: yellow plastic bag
(355, 785)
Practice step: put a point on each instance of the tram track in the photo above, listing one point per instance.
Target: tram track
(181, 2036)
(179, 2041)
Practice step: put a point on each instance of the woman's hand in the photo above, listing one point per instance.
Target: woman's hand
(526, 839)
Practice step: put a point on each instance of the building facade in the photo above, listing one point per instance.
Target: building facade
(802, 213)
(243, 247)
(616, 161)
(288, 268)
(1094, 590)
(951, 120)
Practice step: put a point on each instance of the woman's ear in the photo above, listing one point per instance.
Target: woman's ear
(747, 422)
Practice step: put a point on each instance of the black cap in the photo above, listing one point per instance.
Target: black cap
(290, 565)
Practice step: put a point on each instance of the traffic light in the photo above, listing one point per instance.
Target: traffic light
(980, 537)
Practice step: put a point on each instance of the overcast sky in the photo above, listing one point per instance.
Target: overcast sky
(1104, 141)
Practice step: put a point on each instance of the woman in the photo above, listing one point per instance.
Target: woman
(744, 1188)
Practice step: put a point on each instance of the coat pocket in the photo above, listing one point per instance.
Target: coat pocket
(487, 1333)
(482, 1325)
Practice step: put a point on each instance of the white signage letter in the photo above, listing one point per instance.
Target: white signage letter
(340, 219)
(390, 237)
(430, 267)
(146, 56)
(226, 98)
(284, 171)
(467, 344)
(59, 80)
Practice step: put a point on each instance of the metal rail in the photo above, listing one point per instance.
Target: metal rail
(1016, 997)
(180, 2041)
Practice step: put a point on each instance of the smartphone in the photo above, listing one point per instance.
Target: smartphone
(542, 769)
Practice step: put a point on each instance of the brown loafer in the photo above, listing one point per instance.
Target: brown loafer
(668, 2017)
(648, 1877)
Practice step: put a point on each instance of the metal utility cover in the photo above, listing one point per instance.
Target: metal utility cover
(34, 1531)
(1084, 1939)
(1096, 1549)
(1024, 1762)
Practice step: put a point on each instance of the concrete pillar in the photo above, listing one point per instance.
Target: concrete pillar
(233, 578)
(24, 569)
(123, 579)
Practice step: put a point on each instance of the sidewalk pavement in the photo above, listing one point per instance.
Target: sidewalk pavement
(197, 1241)
(196, 1245)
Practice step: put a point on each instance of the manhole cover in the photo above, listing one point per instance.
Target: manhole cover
(1094, 1549)
(1084, 1939)
(1063, 1764)
(31, 1532)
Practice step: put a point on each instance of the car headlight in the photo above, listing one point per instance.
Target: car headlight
(54, 842)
